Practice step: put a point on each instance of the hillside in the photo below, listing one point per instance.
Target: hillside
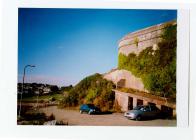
(92, 89)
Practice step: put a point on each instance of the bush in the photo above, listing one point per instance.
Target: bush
(66, 88)
(51, 117)
(34, 115)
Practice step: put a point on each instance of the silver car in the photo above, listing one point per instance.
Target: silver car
(143, 112)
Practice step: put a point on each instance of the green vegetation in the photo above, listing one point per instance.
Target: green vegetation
(136, 41)
(66, 88)
(29, 116)
(156, 68)
(92, 89)
(35, 117)
(41, 98)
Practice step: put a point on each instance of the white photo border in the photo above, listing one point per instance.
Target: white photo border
(9, 57)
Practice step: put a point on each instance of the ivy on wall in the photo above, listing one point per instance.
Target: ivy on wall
(156, 68)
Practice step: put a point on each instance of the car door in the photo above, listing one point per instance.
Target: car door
(85, 108)
(154, 111)
(146, 112)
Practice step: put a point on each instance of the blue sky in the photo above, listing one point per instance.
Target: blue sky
(67, 45)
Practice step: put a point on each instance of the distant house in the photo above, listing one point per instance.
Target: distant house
(34, 88)
(46, 90)
(36, 92)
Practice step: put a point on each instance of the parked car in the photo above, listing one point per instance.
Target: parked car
(89, 108)
(143, 112)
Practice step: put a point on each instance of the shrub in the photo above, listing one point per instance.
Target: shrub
(51, 117)
(136, 41)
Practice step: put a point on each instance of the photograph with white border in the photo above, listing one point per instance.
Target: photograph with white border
(10, 73)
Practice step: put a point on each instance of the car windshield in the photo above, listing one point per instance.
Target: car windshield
(137, 108)
(91, 106)
(145, 108)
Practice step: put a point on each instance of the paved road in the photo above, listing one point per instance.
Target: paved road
(73, 117)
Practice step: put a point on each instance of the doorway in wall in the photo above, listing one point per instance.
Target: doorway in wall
(130, 103)
(139, 102)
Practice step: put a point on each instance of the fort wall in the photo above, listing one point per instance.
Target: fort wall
(137, 41)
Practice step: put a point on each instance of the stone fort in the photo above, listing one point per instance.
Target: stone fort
(136, 42)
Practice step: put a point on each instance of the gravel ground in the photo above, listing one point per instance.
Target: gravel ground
(73, 117)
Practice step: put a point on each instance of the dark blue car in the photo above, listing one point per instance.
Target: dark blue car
(89, 108)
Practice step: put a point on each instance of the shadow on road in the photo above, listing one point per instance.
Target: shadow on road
(104, 113)
(101, 113)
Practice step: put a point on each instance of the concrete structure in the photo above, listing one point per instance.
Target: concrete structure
(124, 78)
(137, 41)
(128, 101)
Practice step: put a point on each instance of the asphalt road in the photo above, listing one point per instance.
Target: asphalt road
(73, 117)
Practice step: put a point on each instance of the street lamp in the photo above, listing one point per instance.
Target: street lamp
(23, 85)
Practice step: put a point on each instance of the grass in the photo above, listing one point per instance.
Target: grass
(57, 97)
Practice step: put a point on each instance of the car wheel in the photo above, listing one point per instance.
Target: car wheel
(128, 118)
(138, 118)
(81, 111)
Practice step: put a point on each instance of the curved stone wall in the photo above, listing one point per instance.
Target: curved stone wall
(137, 41)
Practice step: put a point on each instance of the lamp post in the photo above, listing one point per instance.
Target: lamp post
(23, 86)
(37, 102)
